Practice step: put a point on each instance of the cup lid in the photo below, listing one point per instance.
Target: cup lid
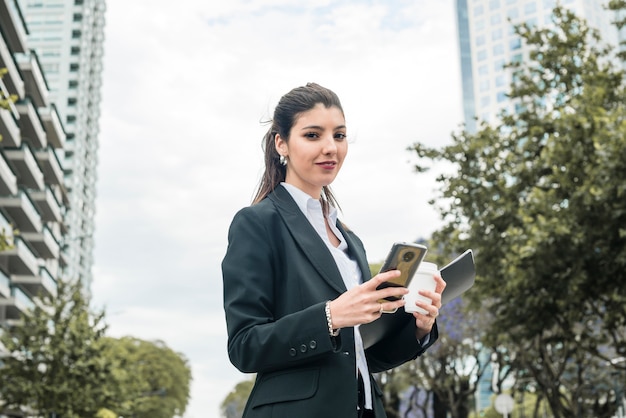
(428, 267)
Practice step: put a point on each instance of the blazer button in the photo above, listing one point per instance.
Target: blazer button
(292, 352)
(303, 348)
(313, 344)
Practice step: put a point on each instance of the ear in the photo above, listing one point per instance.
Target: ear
(281, 146)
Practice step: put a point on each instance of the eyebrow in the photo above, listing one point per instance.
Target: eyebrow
(321, 128)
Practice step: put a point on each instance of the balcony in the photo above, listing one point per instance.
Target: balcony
(26, 168)
(54, 127)
(42, 284)
(12, 24)
(19, 260)
(43, 243)
(30, 124)
(47, 205)
(34, 80)
(22, 212)
(51, 166)
(5, 286)
(8, 127)
(11, 79)
(8, 181)
(17, 304)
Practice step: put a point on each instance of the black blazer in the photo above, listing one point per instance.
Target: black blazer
(278, 275)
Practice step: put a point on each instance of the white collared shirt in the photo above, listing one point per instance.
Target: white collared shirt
(349, 269)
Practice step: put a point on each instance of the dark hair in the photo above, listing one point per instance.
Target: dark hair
(288, 109)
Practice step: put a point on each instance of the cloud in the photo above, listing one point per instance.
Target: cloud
(185, 89)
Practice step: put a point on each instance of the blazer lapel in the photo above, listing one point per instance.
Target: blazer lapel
(307, 238)
(356, 252)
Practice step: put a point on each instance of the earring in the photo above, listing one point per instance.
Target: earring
(283, 160)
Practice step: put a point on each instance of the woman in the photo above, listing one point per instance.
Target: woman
(297, 283)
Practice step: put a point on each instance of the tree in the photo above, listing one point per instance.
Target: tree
(55, 363)
(235, 402)
(541, 199)
(150, 379)
(619, 6)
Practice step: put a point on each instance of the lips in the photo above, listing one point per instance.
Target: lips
(327, 165)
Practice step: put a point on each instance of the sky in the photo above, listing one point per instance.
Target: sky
(187, 87)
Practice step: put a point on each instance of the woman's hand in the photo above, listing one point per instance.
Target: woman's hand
(362, 304)
(425, 322)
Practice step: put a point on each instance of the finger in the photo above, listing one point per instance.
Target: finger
(380, 278)
(440, 284)
(390, 306)
(395, 292)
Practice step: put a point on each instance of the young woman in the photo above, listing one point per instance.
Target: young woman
(297, 283)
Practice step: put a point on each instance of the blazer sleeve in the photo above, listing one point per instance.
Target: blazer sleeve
(258, 341)
(398, 349)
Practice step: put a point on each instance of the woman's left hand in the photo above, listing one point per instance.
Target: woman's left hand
(425, 322)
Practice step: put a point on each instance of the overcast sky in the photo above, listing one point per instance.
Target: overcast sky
(187, 85)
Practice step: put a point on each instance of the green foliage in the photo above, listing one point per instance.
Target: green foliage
(620, 8)
(540, 197)
(55, 363)
(233, 405)
(6, 101)
(150, 379)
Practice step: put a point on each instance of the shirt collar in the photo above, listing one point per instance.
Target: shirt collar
(305, 201)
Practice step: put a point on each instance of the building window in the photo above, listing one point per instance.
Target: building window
(515, 43)
(495, 19)
(530, 8)
(71, 101)
(498, 49)
(498, 65)
(78, 2)
(76, 34)
(484, 85)
(480, 40)
(494, 4)
(513, 14)
(480, 24)
(478, 10)
(482, 70)
(78, 17)
(501, 96)
(484, 101)
(71, 118)
(500, 81)
(549, 4)
(73, 84)
(75, 50)
(74, 67)
(496, 35)
(482, 55)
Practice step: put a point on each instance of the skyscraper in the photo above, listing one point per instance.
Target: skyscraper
(68, 37)
(487, 42)
(33, 195)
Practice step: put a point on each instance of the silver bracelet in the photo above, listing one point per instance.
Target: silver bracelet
(329, 321)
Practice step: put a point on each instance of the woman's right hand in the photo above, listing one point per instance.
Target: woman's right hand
(362, 304)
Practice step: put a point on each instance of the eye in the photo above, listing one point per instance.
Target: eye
(340, 136)
(311, 135)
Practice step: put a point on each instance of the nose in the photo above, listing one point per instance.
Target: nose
(330, 146)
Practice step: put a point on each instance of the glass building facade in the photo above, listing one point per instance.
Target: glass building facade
(68, 37)
(487, 42)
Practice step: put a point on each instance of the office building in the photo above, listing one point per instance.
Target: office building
(487, 42)
(68, 37)
(33, 196)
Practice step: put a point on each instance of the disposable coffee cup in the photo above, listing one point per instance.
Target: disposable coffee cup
(424, 279)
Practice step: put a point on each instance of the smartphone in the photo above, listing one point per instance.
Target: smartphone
(405, 257)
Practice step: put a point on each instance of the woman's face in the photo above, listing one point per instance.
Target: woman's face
(316, 149)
